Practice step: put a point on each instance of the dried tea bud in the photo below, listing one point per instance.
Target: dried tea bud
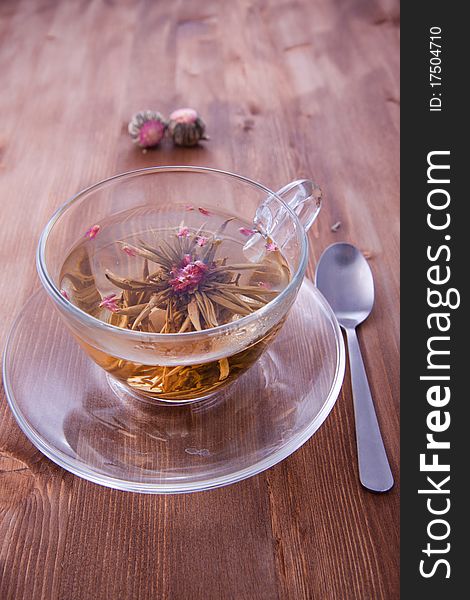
(186, 127)
(147, 128)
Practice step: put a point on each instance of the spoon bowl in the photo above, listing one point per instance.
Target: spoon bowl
(345, 279)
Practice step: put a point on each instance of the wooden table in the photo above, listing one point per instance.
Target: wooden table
(288, 89)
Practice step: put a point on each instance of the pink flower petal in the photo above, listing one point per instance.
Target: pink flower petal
(188, 276)
(129, 251)
(202, 240)
(151, 133)
(64, 294)
(271, 247)
(184, 232)
(204, 211)
(246, 231)
(184, 115)
(93, 232)
(110, 303)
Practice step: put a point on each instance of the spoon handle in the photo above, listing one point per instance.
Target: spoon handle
(374, 469)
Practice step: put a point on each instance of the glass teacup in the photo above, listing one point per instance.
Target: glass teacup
(191, 365)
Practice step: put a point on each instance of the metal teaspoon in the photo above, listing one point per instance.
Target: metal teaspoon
(345, 279)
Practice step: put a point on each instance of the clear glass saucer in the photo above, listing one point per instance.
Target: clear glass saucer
(65, 405)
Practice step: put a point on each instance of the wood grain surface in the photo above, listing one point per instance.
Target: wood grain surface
(289, 88)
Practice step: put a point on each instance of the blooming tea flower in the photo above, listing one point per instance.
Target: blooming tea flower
(194, 286)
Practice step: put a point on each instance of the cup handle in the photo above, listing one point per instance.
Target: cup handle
(305, 198)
